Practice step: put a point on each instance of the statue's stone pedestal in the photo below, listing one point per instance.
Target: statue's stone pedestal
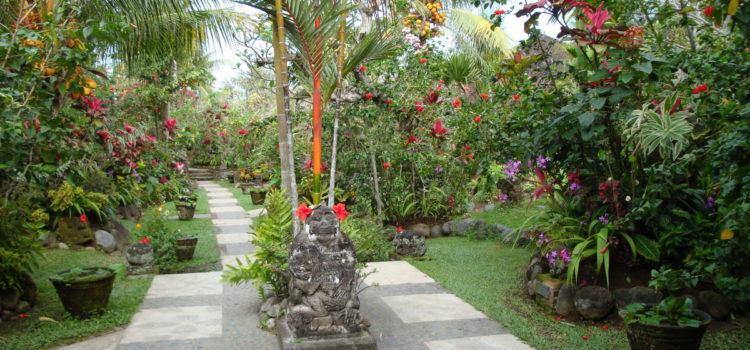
(357, 341)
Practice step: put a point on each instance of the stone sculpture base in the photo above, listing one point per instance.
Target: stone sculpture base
(358, 341)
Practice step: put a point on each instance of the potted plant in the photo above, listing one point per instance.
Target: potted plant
(672, 324)
(84, 291)
(185, 247)
(185, 205)
(258, 195)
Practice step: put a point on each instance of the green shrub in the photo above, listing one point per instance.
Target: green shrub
(163, 239)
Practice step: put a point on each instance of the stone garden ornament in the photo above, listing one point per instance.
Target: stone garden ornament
(323, 297)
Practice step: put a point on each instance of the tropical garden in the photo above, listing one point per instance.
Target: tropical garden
(608, 148)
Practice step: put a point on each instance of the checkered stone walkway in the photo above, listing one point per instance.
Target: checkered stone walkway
(405, 308)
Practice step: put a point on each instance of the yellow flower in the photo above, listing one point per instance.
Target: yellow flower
(726, 234)
(137, 225)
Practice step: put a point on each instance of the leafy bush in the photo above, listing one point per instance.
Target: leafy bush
(369, 240)
(162, 237)
(272, 236)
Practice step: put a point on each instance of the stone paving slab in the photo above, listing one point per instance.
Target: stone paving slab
(394, 272)
(234, 229)
(229, 209)
(233, 222)
(431, 307)
(221, 200)
(488, 342)
(229, 215)
(229, 238)
(107, 341)
(174, 323)
(186, 284)
(256, 212)
(219, 195)
(236, 248)
(196, 216)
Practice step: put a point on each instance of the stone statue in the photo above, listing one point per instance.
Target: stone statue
(323, 285)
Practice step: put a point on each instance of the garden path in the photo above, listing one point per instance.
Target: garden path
(405, 307)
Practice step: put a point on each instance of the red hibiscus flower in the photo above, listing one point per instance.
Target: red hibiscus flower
(388, 102)
(399, 229)
(156, 109)
(368, 95)
(499, 12)
(700, 89)
(243, 131)
(477, 119)
(456, 103)
(362, 68)
(170, 124)
(303, 211)
(708, 11)
(438, 128)
(340, 210)
(82, 218)
(516, 97)
(386, 165)
(145, 240)
(419, 106)
(484, 95)
(423, 61)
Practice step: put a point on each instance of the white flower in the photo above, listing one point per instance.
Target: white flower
(627, 198)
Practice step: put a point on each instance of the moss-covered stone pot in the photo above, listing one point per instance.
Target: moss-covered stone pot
(185, 212)
(186, 247)
(84, 292)
(258, 196)
(642, 336)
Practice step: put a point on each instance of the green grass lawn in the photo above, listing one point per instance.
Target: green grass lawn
(31, 332)
(489, 275)
(201, 206)
(244, 199)
(512, 216)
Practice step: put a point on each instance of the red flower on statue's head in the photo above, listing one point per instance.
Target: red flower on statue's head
(145, 240)
(340, 210)
(303, 211)
(82, 217)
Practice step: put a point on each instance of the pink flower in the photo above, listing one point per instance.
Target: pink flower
(303, 211)
(243, 131)
(129, 128)
(438, 128)
(226, 106)
(597, 19)
(340, 210)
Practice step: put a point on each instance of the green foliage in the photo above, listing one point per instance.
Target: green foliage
(272, 235)
(370, 242)
(663, 128)
(670, 280)
(163, 238)
(672, 311)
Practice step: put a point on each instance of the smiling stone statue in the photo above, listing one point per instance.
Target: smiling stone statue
(322, 289)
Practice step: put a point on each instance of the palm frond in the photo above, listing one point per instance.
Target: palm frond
(475, 34)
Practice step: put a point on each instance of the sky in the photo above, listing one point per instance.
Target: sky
(227, 60)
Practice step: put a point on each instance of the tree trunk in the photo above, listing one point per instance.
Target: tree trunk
(286, 139)
(339, 82)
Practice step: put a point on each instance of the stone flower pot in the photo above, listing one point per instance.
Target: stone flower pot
(246, 187)
(258, 196)
(185, 211)
(642, 336)
(186, 247)
(84, 292)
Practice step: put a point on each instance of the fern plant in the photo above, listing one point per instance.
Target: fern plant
(272, 236)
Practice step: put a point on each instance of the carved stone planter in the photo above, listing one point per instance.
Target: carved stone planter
(185, 212)
(84, 292)
(258, 196)
(642, 336)
(186, 247)
(140, 259)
